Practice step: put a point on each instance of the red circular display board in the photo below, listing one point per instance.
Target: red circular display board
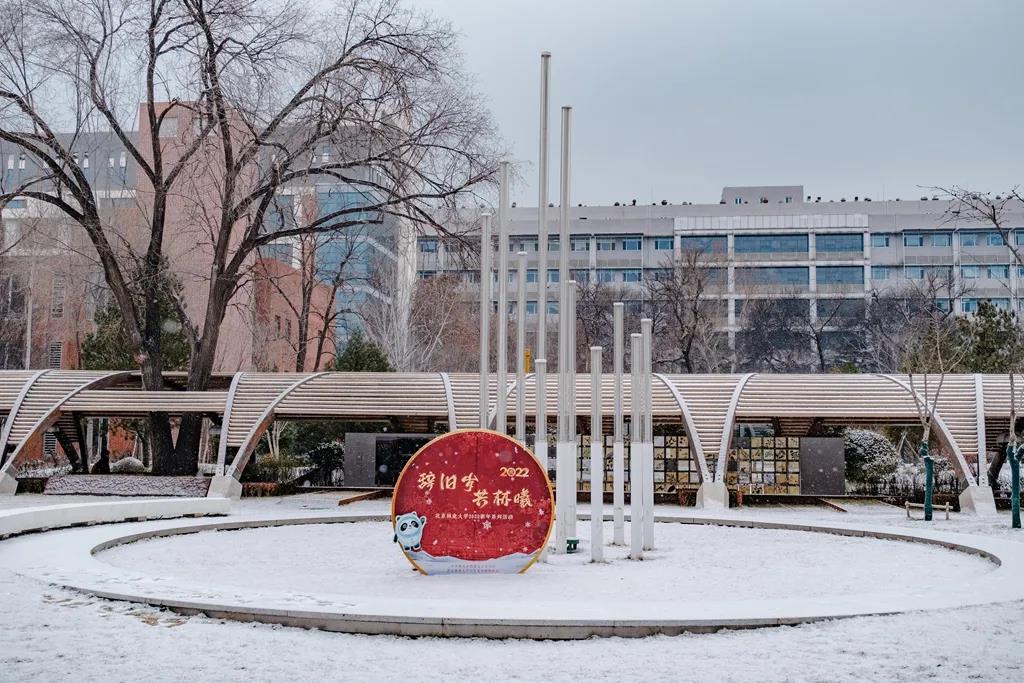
(472, 501)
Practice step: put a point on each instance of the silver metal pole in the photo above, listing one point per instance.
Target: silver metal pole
(540, 438)
(521, 349)
(574, 468)
(501, 412)
(636, 534)
(596, 459)
(648, 419)
(618, 447)
(486, 247)
(565, 449)
(565, 434)
(542, 210)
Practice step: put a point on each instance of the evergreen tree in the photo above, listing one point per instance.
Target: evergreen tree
(361, 355)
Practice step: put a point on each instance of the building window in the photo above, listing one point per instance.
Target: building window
(997, 272)
(277, 324)
(57, 296)
(10, 162)
(634, 307)
(942, 239)
(553, 244)
(580, 275)
(85, 160)
(605, 275)
(995, 239)
(944, 305)
(970, 305)
(552, 308)
(288, 329)
(705, 244)
(970, 272)
(553, 276)
(880, 239)
(663, 243)
(531, 276)
(123, 161)
(21, 162)
(738, 200)
(789, 199)
(784, 275)
(829, 242)
(969, 239)
(605, 244)
(879, 272)
(579, 244)
(913, 240)
(914, 272)
(770, 244)
(55, 355)
(428, 246)
(1000, 304)
(840, 275)
(631, 244)
(531, 308)
(631, 275)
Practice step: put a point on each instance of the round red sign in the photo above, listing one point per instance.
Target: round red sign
(472, 501)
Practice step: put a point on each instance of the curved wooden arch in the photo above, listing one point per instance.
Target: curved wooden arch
(959, 460)
(222, 446)
(727, 427)
(450, 401)
(691, 428)
(13, 414)
(245, 450)
(52, 413)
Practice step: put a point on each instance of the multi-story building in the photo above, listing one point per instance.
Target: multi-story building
(773, 242)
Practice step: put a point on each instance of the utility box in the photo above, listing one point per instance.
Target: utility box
(822, 466)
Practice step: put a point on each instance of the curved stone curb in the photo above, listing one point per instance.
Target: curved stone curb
(33, 556)
(15, 521)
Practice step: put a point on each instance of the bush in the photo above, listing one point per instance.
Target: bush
(129, 465)
(271, 470)
(870, 457)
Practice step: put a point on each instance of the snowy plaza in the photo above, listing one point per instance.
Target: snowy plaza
(356, 564)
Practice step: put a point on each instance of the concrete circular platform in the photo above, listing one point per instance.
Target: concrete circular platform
(76, 566)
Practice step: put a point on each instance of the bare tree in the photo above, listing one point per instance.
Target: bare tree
(914, 330)
(238, 100)
(688, 313)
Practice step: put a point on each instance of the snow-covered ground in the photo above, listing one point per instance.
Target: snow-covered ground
(690, 562)
(49, 634)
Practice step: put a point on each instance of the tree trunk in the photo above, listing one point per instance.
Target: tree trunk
(995, 467)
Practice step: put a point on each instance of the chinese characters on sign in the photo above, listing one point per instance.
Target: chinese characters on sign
(472, 501)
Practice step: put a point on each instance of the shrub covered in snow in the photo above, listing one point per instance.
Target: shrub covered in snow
(870, 457)
(129, 465)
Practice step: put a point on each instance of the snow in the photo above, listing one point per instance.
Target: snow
(126, 485)
(361, 559)
(49, 634)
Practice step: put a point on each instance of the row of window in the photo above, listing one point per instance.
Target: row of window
(994, 271)
(943, 239)
(800, 275)
(430, 245)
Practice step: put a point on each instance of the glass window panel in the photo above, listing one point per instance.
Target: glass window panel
(631, 275)
(631, 244)
(842, 275)
(942, 239)
(880, 240)
(913, 240)
(829, 242)
(782, 275)
(662, 243)
(768, 244)
(605, 244)
(710, 244)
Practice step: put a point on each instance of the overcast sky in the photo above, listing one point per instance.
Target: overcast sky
(674, 99)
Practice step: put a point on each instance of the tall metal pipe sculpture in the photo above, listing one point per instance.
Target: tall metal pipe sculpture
(521, 348)
(618, 447)
(501, 410)
(486, 247)
(636, 479)
(565, 450)
(646, 328)
(542, 210)
(596, 459)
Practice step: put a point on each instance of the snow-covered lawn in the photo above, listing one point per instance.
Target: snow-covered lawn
(49, 634)
(690, 562)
